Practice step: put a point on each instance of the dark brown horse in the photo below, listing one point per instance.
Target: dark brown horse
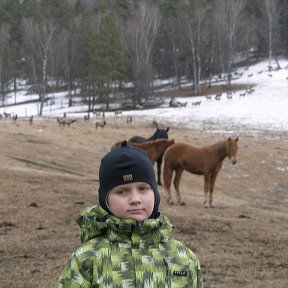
(205, 161)
(154, 148)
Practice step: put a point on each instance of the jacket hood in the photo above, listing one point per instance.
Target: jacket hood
(94, 222)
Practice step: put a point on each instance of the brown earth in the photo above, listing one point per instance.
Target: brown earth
(49, 174)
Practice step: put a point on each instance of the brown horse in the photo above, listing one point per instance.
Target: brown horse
(205, 161)
(154, 148)
(158, 134)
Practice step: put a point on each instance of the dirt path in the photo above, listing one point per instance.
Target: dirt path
(48, 174)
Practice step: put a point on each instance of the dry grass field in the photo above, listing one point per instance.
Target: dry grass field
(48, 174)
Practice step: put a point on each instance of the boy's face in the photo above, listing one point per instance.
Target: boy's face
(131, 201)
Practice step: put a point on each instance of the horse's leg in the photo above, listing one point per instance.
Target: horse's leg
(206, 189)
(212, 184)
(178, 174)
(168, 173)
(159, 163)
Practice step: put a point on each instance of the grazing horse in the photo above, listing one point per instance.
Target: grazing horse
(100, 124)
(129, 119)
(153, 148)
(31, 119)
(206, 161)
(158, 134)
(64, 121)
(173, 103)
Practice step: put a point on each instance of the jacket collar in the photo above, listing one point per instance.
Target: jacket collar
(94, 221)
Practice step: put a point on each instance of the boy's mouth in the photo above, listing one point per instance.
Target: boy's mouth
(135, 211)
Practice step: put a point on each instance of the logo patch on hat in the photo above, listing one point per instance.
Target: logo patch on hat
(127, 177)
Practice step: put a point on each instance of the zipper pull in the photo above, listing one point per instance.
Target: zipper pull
(140, 225)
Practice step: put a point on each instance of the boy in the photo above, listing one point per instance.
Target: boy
(125, 240)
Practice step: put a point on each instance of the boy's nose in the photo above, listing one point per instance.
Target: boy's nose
(135, 196)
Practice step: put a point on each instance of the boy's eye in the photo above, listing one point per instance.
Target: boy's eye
(121, 192)
(144, 188)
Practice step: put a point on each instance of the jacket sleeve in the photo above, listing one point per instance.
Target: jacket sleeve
(73, 275)
(199, 276)
(196, 270)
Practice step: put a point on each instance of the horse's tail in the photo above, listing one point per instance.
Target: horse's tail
(168, 172)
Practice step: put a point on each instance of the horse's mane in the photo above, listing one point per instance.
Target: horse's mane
(149, 143)
(218, 148)
(218, 145)
(141, 144)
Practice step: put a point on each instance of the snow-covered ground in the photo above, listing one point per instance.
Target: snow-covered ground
(265, 108)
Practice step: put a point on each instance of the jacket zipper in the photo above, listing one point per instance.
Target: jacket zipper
(140, 225)
(168, 273)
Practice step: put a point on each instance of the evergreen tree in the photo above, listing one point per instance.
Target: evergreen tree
(283, 21)
(107, 62)
(10, 17)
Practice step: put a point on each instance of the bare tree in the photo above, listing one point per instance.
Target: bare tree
(271, 13)
(194, 26)
(170, 44)
(38, 39)
(65, 55)
(227, 22)
(175, 52)
(142, 31)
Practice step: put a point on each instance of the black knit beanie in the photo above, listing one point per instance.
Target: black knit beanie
(123, 165)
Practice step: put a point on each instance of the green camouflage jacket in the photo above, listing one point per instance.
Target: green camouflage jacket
(124, 253)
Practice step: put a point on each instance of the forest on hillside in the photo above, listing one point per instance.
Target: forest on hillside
(93, 48)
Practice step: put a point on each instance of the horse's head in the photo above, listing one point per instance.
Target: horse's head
(232, 148)
(169, 142)
(160, 134)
